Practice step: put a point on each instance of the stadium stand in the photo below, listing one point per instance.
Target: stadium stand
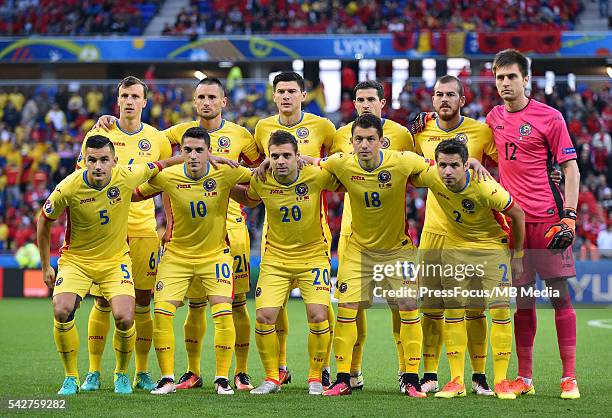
(41, 129)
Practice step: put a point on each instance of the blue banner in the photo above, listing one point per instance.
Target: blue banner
(272, 47)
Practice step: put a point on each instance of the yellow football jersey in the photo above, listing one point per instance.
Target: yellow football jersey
(313, 133)
(199, 208)
(395, 137)
(231, 141)
(143, 146)
(97, 227)
(295, 231)
(479, 139)
(378, 197)
(472, 215)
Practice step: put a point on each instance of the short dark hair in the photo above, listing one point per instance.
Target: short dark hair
(131, 81)
(370, 84)
(288, 76)
(452, 146)
(197, 133)
(449, 79)
(99, 142)
(368, 120)
(209, 81)
(281, 137)
(508, 57)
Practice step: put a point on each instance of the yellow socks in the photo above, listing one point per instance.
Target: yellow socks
(242, 325)
(331, 318)
(225, 337)
(163, 337)
(282, 330)
(97, 330)
(362, 333)
(267, 345)
(195, 328)
(396, 322)
(67, 342)
(144, 337)
(477, 342)
(411, 336)
(318, 341)
(123, 343)
(455, 338)
(501, 341)
(345, 337)
(432, 324)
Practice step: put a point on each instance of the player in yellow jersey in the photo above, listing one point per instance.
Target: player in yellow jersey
(376, 181)
(197, 249)
(295, 251)
(448, 99)
(234, 142)
(97, 200)
(475, 237)
(135, 142)
(314, 134)
(368, 97)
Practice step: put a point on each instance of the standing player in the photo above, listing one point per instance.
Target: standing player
(530, 137)
(313, 134)
(376, 181)
(197, 249)
(97, 199)
(474, 236)
(234, 142)
(368, 98)
(448, 99)
(135, 142)
(295, 251)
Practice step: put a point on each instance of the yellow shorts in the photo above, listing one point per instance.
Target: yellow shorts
(175, 275)
(113, 278)
(276, 281)
(240, 249)
(478, 279)
(362, 275)
(430, 254)
(342, 243)
(144, 252)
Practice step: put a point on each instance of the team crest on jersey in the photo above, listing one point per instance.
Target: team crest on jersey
(467, 204)
(151, 166)
(385, 142)
(210, 185)
(463, 138)
(224, 142)
(48, 206)
(301, 189)
(113, 193)
(302, 133)
(384, 176)
(258, 292)
(144, 145)
(159, 286)
(525, 129)
(59, 281)
(343, 287)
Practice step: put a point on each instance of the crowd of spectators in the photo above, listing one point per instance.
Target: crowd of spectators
(360, 16)
(41, 130)
(74, 17)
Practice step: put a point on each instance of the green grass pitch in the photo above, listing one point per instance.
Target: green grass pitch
(30, 369)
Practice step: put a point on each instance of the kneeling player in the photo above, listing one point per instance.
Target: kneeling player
(96, 251)
(295, 250)
(196, 251)
(476, 249)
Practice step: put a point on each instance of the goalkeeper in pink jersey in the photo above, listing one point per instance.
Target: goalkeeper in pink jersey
(530, 137)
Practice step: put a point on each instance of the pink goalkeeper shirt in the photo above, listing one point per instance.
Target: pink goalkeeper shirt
(528, 143)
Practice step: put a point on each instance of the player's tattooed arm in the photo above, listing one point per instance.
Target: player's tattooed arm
(105, 122)
(43, 234)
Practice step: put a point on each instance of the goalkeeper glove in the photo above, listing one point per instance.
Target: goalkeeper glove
(563, 232)
(417, 125)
